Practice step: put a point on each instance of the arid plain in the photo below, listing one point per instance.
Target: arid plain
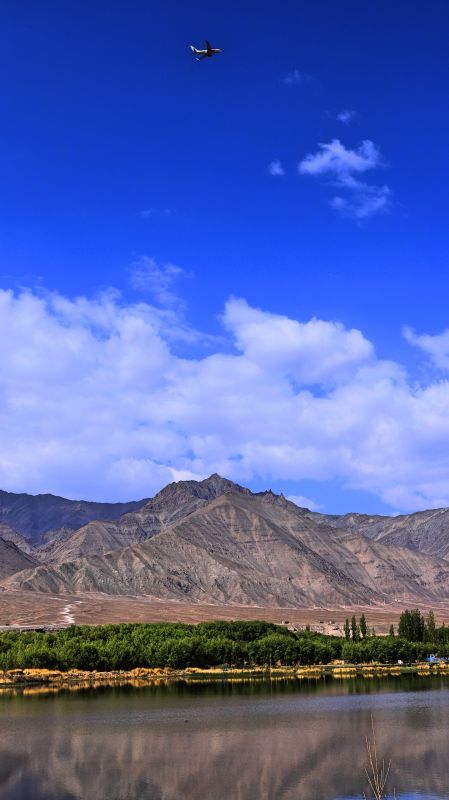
(35, 609)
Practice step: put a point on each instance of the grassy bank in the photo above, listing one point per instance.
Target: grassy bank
(139, 677)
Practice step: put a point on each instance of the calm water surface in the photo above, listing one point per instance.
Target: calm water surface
(279, 740)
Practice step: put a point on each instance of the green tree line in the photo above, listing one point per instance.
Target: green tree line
(127, 646)
(209, 644)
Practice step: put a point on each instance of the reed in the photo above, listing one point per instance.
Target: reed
(377, 771)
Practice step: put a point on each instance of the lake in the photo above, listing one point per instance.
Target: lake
(251, 740)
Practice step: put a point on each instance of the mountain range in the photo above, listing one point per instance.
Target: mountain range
(35, 516)
(216, 542)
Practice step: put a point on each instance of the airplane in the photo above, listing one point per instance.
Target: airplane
(207, 53)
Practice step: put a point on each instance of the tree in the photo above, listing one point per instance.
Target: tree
(355, 630)
(363, 626)
(430, 627)
(351, 652)
(347, 629)
(411, 625)
(391, 632)
(273, 648)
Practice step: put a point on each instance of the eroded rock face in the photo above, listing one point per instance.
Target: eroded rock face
(10, 535)
(12, 559)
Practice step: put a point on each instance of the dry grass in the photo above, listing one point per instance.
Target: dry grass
(377, 771)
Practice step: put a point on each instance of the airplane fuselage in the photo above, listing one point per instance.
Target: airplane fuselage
(205, 53)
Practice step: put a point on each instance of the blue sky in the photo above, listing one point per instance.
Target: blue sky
(132, 170)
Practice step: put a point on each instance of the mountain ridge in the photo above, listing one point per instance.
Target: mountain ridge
(174, 501)
(214, 541)
(241, 548)
(32, 516)
(424, 531)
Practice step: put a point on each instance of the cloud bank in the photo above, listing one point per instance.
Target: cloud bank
(96, 403)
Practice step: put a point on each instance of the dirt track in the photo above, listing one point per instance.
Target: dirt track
(35, 609)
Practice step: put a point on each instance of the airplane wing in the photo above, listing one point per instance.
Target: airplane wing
(208, 45)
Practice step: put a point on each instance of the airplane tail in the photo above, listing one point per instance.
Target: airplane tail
(193, 49)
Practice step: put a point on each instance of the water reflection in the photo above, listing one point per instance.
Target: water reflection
(279, 740)
(414, 796)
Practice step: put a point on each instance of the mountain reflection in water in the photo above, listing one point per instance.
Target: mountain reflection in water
(283, 740)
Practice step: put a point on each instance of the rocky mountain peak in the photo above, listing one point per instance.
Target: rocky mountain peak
(184, 491)
(271, 498)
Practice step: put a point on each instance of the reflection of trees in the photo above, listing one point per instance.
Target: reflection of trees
(270, 746)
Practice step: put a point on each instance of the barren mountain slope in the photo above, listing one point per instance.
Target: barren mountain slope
(424, 531)
(251, 550)
(10, 535)
(174, 502)
(95, 537)
(35, 515)
(12, 559)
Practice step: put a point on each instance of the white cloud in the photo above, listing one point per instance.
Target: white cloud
(158, 281)
(95, 403)
(365, 201)
(436, 347)
(346, 116)
(314, 352)
(293, 78)
(148, 276)
(360, 199)
(275, 168)
(336, 159)
(304, 502)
